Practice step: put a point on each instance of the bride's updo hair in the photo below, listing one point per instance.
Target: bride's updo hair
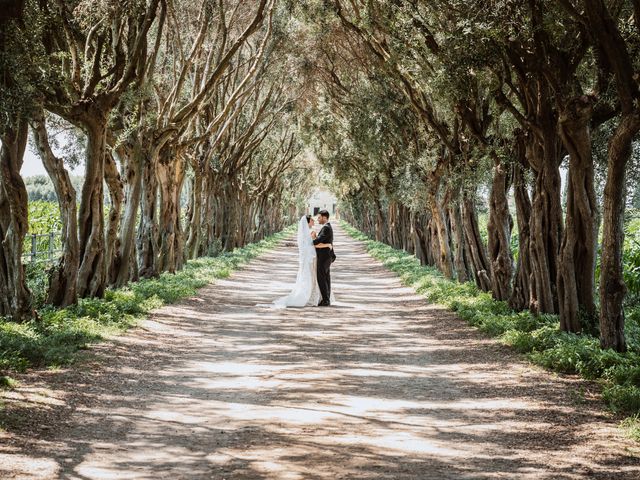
(309, 217)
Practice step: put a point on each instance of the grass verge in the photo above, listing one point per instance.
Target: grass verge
(56, 337)
(537, 336)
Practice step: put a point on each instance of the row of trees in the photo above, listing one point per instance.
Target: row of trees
(422, 109)
(159, 93)
(428, 108)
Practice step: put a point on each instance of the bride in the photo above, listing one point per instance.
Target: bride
(305, 292)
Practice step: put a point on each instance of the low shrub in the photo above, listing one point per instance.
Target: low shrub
(539, 339)
(622, 398)
(625, 373)
(7, 383)
(571, 353)
(632, 427)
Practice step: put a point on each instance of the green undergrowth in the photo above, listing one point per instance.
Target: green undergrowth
(55, 338)
(537, 336)
(632, 426)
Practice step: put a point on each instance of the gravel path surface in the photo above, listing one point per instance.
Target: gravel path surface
(381, 385)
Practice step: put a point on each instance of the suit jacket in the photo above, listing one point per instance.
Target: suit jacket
(325, 236)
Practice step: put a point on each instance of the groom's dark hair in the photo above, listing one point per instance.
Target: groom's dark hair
(324, 213)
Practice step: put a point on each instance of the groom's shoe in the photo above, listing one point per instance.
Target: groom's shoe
(324, 303)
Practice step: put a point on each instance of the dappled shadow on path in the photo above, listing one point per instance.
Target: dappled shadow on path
(379, 386)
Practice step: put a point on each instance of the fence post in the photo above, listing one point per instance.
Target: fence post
(33, 248)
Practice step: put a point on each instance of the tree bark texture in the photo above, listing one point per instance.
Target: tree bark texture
(545, 222)
(91, 280)
(479, 259)
(499, 231)
(15, 297)
(612, 287)
(577, 257)
(62, 276)
(520, 295)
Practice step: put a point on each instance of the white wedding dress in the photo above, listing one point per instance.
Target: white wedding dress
(305, 292)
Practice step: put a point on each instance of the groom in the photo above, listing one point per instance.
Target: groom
(324, 258)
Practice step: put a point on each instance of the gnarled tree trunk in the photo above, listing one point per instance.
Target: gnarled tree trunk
(612, 287)
(520, 295)
(480, 262)
(116, 193)
(418, 238)
(170, 180)
(499, 231)
(380, 236)
(438, 215)
(15, 297)
(91, 280)
(612, 45)
(62, 277)
(125, 256)
(577, 258)
(195, 216)
(460, 251)
(546, 221)
(148, 230)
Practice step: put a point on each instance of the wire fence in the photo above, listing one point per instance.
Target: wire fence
(42, 248)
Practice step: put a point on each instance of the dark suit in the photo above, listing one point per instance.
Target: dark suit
(323, 271)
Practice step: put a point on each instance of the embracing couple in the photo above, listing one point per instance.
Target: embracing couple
(315, 256)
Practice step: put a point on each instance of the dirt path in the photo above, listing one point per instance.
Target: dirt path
(380, 386)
